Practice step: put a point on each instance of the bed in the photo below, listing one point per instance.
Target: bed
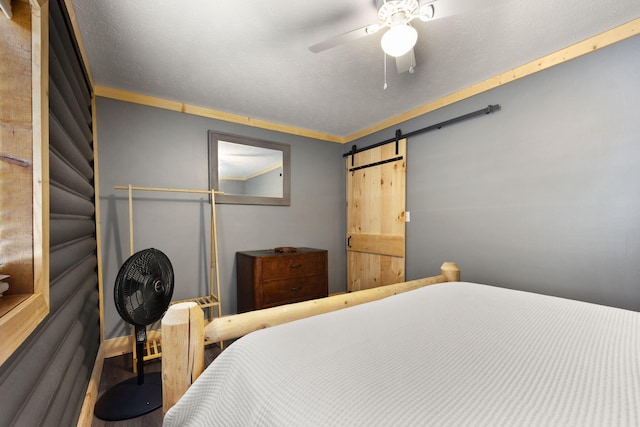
(451, 353)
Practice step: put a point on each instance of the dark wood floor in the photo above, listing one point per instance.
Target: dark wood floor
(117, 369)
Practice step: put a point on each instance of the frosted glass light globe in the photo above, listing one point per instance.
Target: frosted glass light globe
(399, 39)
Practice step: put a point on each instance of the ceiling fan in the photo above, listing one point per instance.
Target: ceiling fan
(400, 37)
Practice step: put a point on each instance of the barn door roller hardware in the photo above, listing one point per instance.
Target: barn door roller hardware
(354, 150)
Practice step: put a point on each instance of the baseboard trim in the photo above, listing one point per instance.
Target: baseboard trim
(109, 348)
(91, 395)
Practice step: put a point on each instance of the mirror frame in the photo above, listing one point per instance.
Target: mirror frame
(285, 200)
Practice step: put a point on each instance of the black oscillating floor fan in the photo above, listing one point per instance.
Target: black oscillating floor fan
(142, 294)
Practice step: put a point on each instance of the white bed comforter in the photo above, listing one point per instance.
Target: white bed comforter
(450, 354)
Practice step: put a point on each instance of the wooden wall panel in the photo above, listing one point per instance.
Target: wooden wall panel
(43, 382)
(16, 171)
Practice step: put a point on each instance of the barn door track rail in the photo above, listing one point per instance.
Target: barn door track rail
(399, 135)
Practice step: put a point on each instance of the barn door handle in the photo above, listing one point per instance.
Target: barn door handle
(349, 241)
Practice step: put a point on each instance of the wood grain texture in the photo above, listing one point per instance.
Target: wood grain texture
(267, 278)
(16, 160)
(183, 350)
(24, 170)
(96, 186)
(384, 244)
(91, 395)
(195, 110)
(40, 141)
(376, 199)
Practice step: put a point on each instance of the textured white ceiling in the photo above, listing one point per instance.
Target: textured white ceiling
(251, 57)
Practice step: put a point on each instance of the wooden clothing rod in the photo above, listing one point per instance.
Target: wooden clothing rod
(488, 110)
(171, 190)
(214, 272)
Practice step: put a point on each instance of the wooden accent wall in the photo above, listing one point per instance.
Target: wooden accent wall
(50, 340)
(16, 167)
(23, 140)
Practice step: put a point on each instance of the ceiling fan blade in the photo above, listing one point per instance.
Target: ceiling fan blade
(344, 38)
(406, 62)
(445, 9)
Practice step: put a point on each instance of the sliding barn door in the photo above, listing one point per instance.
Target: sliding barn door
(376, 216)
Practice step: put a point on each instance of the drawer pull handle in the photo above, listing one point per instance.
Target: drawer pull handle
(296, 265)
(296, 289)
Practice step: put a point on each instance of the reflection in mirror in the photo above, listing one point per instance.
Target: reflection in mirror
(249, 171)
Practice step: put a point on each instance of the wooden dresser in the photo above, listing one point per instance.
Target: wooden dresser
(267, 278)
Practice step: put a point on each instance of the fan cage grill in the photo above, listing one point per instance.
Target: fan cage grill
(144, 287)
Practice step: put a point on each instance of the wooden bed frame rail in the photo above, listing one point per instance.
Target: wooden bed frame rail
(183, 330)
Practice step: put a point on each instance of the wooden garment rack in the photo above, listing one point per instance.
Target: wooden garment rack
(211, 302)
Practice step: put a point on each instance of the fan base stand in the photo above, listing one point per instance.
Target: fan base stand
(127, 399)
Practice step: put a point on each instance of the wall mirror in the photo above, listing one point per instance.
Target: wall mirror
(249, 171)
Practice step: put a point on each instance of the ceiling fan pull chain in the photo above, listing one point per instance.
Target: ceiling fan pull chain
(384, 56)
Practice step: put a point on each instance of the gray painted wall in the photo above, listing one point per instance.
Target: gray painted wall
(145, 146)
(543, 195)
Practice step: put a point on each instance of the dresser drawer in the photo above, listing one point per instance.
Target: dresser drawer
(266, 278)
(283, 266)
(284, 291)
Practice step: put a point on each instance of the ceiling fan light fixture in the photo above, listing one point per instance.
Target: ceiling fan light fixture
(399, 39)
